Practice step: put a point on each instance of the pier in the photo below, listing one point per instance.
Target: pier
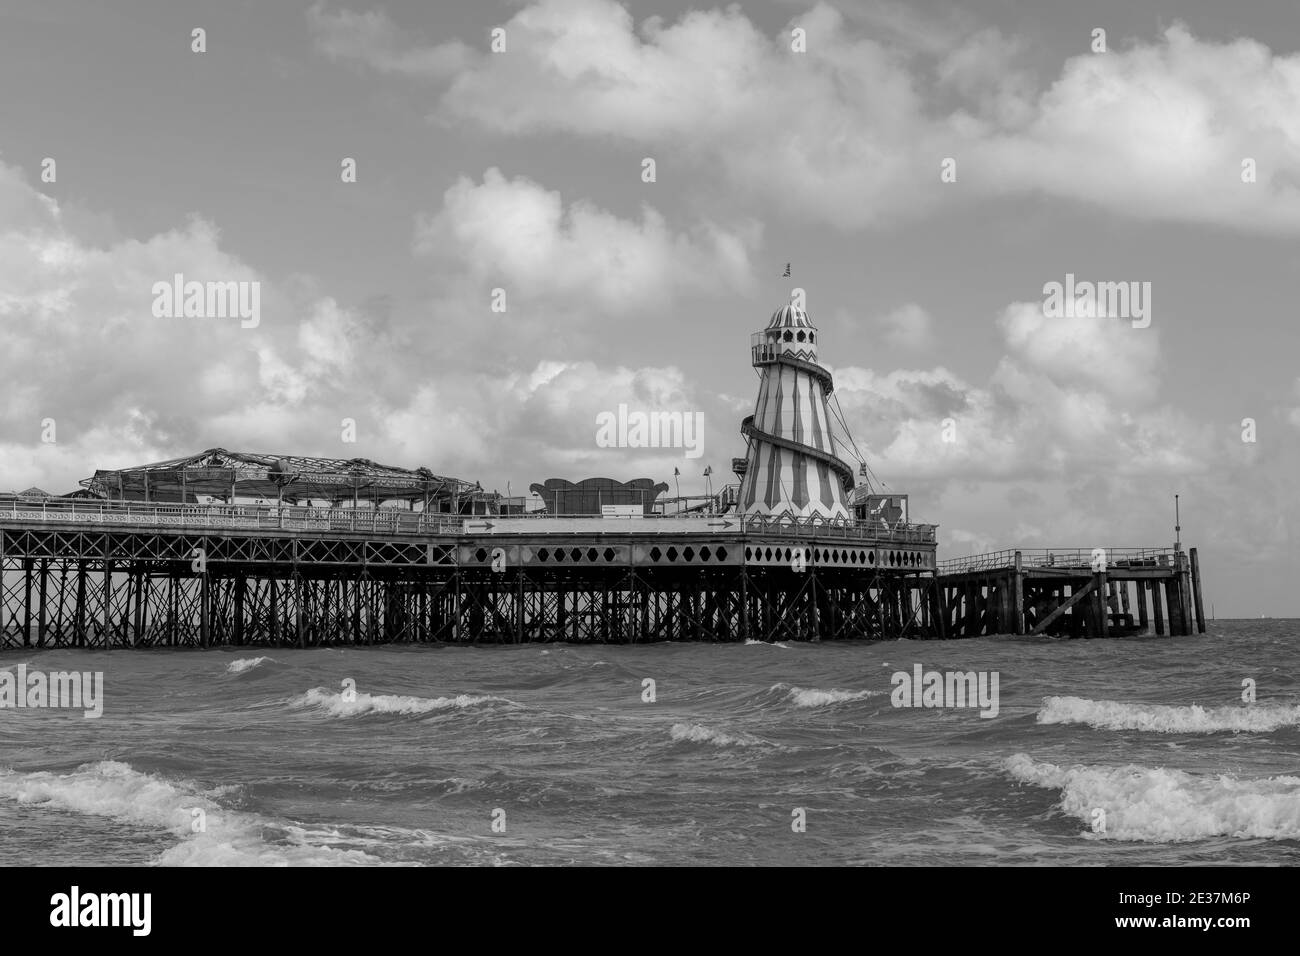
(122, 574)
(1100, 592)
(113, 574)
(245, 549)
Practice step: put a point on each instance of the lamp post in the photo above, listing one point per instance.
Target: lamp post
(1178, 528)
(708, 485)
(677, 480)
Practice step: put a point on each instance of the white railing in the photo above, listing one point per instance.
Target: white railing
(393, 522)
(265, 517)
(1065, 558)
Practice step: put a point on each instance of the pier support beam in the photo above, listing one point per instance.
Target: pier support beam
(1196, 591)
(1157, 610)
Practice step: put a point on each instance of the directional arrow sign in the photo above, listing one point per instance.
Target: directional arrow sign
(721, 524)
(479, 526)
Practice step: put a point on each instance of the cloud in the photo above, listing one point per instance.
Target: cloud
(372, 39)
(519, 236)
(82, 347)
(1104, 354)
(853, 131)
(1067, 395)
(908, 327)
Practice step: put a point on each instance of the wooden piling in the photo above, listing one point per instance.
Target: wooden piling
(1196, 591)
(1101, 590)
(1018, 596)
(1156, 587)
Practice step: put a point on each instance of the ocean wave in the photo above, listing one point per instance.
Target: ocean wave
(246, 664)
(784, 647)
(812, 697)
(1168, 806)
(334, 704)
(1166, 719)
(699, 734)
(227, 837)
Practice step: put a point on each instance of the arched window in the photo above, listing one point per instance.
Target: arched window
(789, 336)
(812, 336)
(800, 336)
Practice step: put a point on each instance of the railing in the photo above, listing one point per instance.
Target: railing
(1065, 558)
(393, 522)
(263, 517)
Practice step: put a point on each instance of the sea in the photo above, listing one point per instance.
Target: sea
(1140, 751)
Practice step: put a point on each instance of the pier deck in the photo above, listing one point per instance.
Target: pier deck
(118, 574)
(1099, 592)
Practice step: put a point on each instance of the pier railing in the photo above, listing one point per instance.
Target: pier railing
(265, 517)
(1065, 558)
(394, 522)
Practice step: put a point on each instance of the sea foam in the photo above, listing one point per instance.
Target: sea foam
(245, 664)
(227, 837)
(699, 734)
(336, 705)
(812, 697)
(1168, 806)
(1166, 719)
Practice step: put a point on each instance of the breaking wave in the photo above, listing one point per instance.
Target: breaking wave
(245, 664)
(1168, 806)
(227, 838)
(336, 705)
(1166, 719)
(812, 697)
(699, 734)
(784, 647)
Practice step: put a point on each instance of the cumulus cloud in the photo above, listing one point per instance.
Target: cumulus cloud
(520, 237)
(82, 347)
(1068, 394)
(853, 131)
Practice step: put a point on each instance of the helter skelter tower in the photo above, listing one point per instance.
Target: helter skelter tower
(791, 467)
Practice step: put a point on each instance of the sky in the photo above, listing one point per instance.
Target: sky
(926, 168)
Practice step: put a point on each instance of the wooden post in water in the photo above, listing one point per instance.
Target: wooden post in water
(940, 608)
(1018, 597)
(1156, 588)
(1176, 597)
(1196, 591)
(1143, 591)
(1101, 610)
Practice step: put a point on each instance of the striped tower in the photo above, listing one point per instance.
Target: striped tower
(791, 467)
